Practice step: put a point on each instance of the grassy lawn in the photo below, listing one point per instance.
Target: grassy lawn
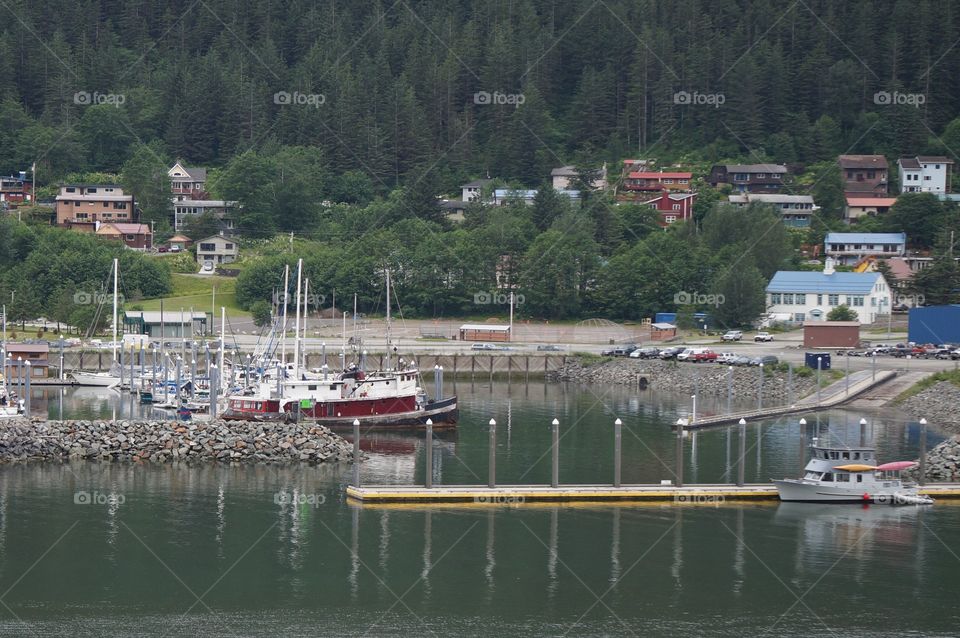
(953, 376)
(191, 291)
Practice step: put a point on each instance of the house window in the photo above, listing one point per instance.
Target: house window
(131, 237)
(800, 299)
(668, 181)
(683, 181)
(208, 248)
(71, 189)
(799, 317)
(91, 190)
(120, 205)
(819, 300)
(741, 177)
(936, 166)
(854, 300)
(669, 219)
(228, 246)
(788, 298)
(775, 298)
(759, 175)
(833, 300)
(676, 207)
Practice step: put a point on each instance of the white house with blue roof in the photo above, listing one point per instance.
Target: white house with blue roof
(504, 196)
(811, 295)
(850, 248)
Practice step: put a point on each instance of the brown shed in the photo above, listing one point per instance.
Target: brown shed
(484, 332)
(831, 334)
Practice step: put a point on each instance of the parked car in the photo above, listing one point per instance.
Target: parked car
(645, 353)
(726, 358)
(732, 335)
(483, 346)
(686, 355)
(549, 348)
(766, 360)
(619, 351)
(672, 352)
(741, 361)
(704, 355)
(955, 354)
(763, 336)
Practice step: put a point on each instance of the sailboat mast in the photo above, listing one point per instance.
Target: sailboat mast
(283, 331)
(388, 319)
(306, 313)
(4, 348)
(115, 276)
(296, 329)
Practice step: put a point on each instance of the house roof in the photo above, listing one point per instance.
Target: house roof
(179, 237)
(215, 237)
(755, 168)
(485, 326)
(194, 172)
(899, 268)
(27, 347)
(477, 183)
(123, 228)
(564, 171)
(866, 238)
(909, 163)
(677, 197)
(86, 185)
(817, 282)
(770, 198)
(658, 175)
(169, 316)
(869, 202)
(934, 159)
(863, 161)
(663, 326)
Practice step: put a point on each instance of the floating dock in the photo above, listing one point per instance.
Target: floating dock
(520, 494)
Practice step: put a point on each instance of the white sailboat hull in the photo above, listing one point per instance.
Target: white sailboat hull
(100, 379)
(810, 491)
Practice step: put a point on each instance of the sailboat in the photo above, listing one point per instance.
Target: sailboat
(104, 379)
(389, 398)
(10, 406)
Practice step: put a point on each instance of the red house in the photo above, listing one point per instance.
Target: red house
(673, 207)
(14, 190)
(137, 236)
(657, 181)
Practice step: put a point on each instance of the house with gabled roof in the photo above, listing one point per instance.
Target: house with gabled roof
(188, 182)
(810, 295)
(864, 175)
(749, 178)
(925, 174)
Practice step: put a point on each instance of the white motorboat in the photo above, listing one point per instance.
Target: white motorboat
(100, 379)
(851, 475)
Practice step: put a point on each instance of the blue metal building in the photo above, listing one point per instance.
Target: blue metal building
(934, 324)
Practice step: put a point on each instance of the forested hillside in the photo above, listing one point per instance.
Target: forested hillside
(397, 81)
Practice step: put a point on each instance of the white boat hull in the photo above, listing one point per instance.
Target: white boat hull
(100, 379)
(811, 492)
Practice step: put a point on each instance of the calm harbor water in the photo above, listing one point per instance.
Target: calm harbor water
(264, 551)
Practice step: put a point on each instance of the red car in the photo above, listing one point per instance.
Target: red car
(704, 355)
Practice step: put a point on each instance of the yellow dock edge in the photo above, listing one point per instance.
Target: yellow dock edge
(516, 495)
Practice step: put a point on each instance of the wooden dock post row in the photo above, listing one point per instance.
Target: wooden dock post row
(675, 490)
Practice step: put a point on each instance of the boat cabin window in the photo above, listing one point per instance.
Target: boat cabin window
(333, 387)
(843, 478)
(814, 476)
(845, 455)
(859, 478)
(833, 455)
(856, 456)
(311, 387)
(828, 476)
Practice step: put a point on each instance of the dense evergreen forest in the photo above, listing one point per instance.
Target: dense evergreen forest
(398, 81)
(341, 122)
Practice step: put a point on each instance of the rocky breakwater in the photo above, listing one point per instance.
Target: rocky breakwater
(943, 463)
(166, 441)
(704, 378)
(939, 405)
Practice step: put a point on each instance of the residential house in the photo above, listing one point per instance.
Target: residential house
(794, 210)
(645, 185)
(172, 323)
(864, 175)
(14, 190)
(924, 174)
(473, 191)
(749, 178)
(188, 183)
(811, 295)
(38, 354)
(179, 243)
(504, 196)
(186, 209)
(565, 176)
(217, 249)
(133, 235)
(673, 207)
(858, 207)
(81, 206)
(852, 248)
